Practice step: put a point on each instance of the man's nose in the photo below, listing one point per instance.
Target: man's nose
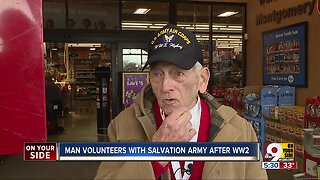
(167, 84)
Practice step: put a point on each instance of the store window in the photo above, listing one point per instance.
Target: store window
(54, 14)
(54, 57)
(228, 32)
(203, 39)
(134, 59)
(95, 15)
(72, 67)
(227, 63)
(144, 15)
(194, 17)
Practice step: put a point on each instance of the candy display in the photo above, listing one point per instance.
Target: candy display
(234, 98)
(311, 140)
(218, 92)
(313, 113)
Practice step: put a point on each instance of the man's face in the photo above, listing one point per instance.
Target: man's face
(174, 87)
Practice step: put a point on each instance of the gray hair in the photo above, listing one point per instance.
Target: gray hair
(197, 68)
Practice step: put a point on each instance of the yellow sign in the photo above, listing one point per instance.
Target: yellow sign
(287, 151)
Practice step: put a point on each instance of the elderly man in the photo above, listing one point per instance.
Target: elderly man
(175, 107)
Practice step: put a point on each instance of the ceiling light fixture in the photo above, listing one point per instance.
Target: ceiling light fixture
(229, 39)
(224, 47)
(183, 25)
(220, 36)
(203, 39)
(230, 29)
(239, 27)
(135, 24)
(218, 26)
(228, 13)
(155, 27)
(141, 11)
(196, 28)
(84, 44)
(161, 24)
(202, 25)
(129, 26)
(238, 37)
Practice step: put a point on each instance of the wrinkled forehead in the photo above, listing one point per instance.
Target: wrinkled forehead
(162, 64)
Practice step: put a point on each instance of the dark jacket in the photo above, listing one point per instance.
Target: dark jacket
(53, 98)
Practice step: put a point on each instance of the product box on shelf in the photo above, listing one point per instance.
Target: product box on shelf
(269, 97)
(274, 112)
(289, 123)
(299, 150)
(292, 115)
(286, 96)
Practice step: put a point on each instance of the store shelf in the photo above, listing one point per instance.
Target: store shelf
(85, 80)
(303, 176)
(85, 77)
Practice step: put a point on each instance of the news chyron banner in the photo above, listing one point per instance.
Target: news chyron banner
(279, 156)
(141, 151)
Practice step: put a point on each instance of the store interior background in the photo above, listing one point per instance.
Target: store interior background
(125, 50)
(72, 52)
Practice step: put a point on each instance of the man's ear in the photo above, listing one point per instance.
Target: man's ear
(204, 80)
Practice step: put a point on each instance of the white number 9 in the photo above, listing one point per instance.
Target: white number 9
(276, 155)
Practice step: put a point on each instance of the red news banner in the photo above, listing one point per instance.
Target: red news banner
(40, 151)
(288, 165)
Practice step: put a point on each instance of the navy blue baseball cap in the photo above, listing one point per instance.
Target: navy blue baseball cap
(174, 45)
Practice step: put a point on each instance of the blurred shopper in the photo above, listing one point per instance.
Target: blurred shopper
(53, 105)
(175, 107)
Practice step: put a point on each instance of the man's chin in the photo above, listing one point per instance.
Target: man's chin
(168, 110)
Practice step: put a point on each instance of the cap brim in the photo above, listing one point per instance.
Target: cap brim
(178, 59)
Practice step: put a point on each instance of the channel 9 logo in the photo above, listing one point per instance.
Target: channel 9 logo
(279, 152)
